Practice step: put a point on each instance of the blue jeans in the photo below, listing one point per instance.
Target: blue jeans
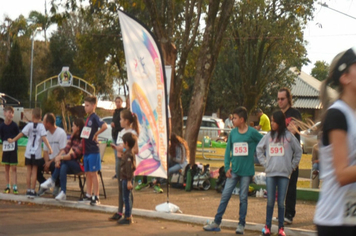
(116, 160)
(282, 184)
(175, 167)
(67, 167)
(127, 198)
(226, 195)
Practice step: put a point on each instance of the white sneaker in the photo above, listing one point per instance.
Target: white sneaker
(61, 196)
(49, 183)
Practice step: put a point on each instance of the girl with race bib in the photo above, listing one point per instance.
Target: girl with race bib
(335, 212)
(279, 152)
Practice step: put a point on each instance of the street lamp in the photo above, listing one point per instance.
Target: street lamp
(33, 38)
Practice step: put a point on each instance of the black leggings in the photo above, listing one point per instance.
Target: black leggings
(336, 230)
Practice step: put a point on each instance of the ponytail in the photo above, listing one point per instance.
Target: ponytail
(330, 80)
(135, 123)
(132, 118)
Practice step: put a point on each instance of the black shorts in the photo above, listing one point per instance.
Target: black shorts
(9, 158)
(336, 230)
(32, 161)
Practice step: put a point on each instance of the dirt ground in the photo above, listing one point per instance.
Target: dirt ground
(203, 203)
(30, 219)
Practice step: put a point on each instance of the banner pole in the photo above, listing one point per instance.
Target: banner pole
(135, 31)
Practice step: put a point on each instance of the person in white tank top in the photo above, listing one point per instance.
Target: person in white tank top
(336, 208)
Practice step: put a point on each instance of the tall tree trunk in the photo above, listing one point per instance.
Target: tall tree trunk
(64, 120)
(216, 23)
(164, 33)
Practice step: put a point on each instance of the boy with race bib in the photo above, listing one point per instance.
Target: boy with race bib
(92, 160)
(36, 133)
(239, 167)
(279, 152)
(9, 129)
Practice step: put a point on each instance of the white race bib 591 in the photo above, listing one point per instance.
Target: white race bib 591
(240, 149)
(276, 149)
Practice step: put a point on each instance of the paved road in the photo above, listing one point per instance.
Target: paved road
(30, 219)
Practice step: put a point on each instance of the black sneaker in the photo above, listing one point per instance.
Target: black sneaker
(85, 199)
(124, 221)
(94, 201)
(288, 220)
(116, 217)
(28, 193)
(7, 190)
(31, 195)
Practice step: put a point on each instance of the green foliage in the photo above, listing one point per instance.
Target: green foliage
(37, 19)
(100, 51)
(320, 70)
(13, 80)
(265, 40)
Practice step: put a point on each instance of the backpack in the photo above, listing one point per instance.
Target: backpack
(201, 179)
(179, 180)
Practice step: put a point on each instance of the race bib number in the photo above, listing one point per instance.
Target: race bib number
(276, 149)
(32, 150)
(240, 149)
(8, 147)
(85, 132)
(349, 216)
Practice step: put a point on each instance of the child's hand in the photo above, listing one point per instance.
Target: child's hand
(129, 185)
(228, 174)
(95, 138)
(113, 145)
(10, 140)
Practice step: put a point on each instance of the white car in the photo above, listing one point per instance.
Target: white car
(107, 133)
(209, 127)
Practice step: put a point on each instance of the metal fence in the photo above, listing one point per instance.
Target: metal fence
(211, 143)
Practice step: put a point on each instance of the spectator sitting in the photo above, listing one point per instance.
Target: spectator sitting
(178, 154)
(67, 161)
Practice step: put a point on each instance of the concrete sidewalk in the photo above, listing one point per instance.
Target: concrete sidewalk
(193, 219)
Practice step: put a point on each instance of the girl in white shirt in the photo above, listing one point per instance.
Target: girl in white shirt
(336, 208)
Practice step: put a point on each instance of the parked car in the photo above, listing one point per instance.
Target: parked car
(210, 126)
(309, 137)
(107, 133)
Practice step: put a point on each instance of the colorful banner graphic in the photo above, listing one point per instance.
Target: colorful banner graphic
(147, 96)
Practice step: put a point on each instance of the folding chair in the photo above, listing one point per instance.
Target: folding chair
(102, 148)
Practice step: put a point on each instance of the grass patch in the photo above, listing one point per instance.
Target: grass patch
(218, 153)
(109, 157)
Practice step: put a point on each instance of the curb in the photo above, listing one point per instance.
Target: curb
(193, 219)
